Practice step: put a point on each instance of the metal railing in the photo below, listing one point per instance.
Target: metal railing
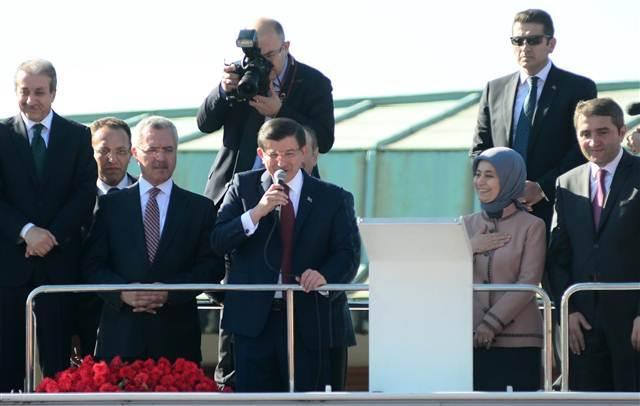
(564, 317)
(288, 289)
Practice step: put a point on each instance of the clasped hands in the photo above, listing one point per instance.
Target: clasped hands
(39, 242)
(145, 300)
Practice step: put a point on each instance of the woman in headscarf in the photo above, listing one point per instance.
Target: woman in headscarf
(508, 247)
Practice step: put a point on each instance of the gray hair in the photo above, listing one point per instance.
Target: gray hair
(155, 122)
(38, 67)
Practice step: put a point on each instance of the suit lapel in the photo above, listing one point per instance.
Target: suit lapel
(508, 104)
(583, 201)
(132, 219)
(305, 205)
(177, 206)
(544, 104)
(20, 139)
(617, 185)
(56, 150)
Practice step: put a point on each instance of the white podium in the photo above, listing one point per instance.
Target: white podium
(420, 305)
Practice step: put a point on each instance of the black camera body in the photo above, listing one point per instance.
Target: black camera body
(254, 69)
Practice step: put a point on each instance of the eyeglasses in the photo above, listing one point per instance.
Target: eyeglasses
(288, 154)
(119, 153)
(530, 40)
(272, 54)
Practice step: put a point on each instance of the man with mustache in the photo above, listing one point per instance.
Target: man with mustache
(153, 232)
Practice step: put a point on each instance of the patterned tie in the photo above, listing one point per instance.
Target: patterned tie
(598, 201)
(287, 224)
(152, 224)
(38, 149)
(525, 122)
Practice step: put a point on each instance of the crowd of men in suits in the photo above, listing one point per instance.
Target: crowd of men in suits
(69, 212)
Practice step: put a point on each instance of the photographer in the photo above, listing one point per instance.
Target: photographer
(296, 91)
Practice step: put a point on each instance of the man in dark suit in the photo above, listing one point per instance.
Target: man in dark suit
(152, 232)
(298, 91)
(595, 237)
(111, 142)
(47, 188)
(310, 242)
(536, 124)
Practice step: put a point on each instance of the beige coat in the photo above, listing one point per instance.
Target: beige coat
(513, 316)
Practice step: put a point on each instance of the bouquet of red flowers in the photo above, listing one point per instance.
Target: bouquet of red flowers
(137, 376)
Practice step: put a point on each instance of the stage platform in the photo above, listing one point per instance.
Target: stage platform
(325, 399)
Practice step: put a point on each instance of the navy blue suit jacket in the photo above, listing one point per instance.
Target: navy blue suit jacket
(324, 240)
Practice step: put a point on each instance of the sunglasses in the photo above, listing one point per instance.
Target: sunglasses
(532, 40)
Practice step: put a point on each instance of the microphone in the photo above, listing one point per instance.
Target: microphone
(633, 109)
(278, 178)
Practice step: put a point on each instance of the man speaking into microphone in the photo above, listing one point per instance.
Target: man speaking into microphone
(311, 240)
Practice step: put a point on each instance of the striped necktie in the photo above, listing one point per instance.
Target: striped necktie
(152, 224)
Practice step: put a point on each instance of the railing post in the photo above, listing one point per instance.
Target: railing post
(30, 346)
(290, 343)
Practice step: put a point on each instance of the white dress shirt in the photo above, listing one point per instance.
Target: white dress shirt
(162, 198)
(103, 188)
(46, 122)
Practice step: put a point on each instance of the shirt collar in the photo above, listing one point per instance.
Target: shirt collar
(610, 167)
(46, 122)
(280, 80)
(104, 188)
(145, 186)
(542, 75)
(295, 184)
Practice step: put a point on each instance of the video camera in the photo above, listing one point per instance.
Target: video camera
(254, 69)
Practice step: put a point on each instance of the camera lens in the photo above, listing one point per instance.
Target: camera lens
(248, 85)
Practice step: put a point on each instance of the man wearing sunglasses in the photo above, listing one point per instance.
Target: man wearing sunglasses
(531, 111)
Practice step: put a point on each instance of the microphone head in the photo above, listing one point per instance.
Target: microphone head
(279, 176)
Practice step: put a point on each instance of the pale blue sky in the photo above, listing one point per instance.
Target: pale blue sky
(122, 55)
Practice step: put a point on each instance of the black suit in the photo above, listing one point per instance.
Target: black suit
(116, 253)
(59, 202)
(578, 254)
(306, 98)
(88, 306)
(323, 240)
(552, 149)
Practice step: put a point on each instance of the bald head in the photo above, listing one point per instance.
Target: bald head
(266, 26)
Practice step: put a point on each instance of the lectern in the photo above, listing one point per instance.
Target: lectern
(420, 305)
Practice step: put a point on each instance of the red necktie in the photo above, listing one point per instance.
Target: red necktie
(287, 224)
(598, 201)
(152, 224)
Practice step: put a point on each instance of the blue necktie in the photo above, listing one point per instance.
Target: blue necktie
(525, 122)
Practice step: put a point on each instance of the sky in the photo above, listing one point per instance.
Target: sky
(121, 55)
